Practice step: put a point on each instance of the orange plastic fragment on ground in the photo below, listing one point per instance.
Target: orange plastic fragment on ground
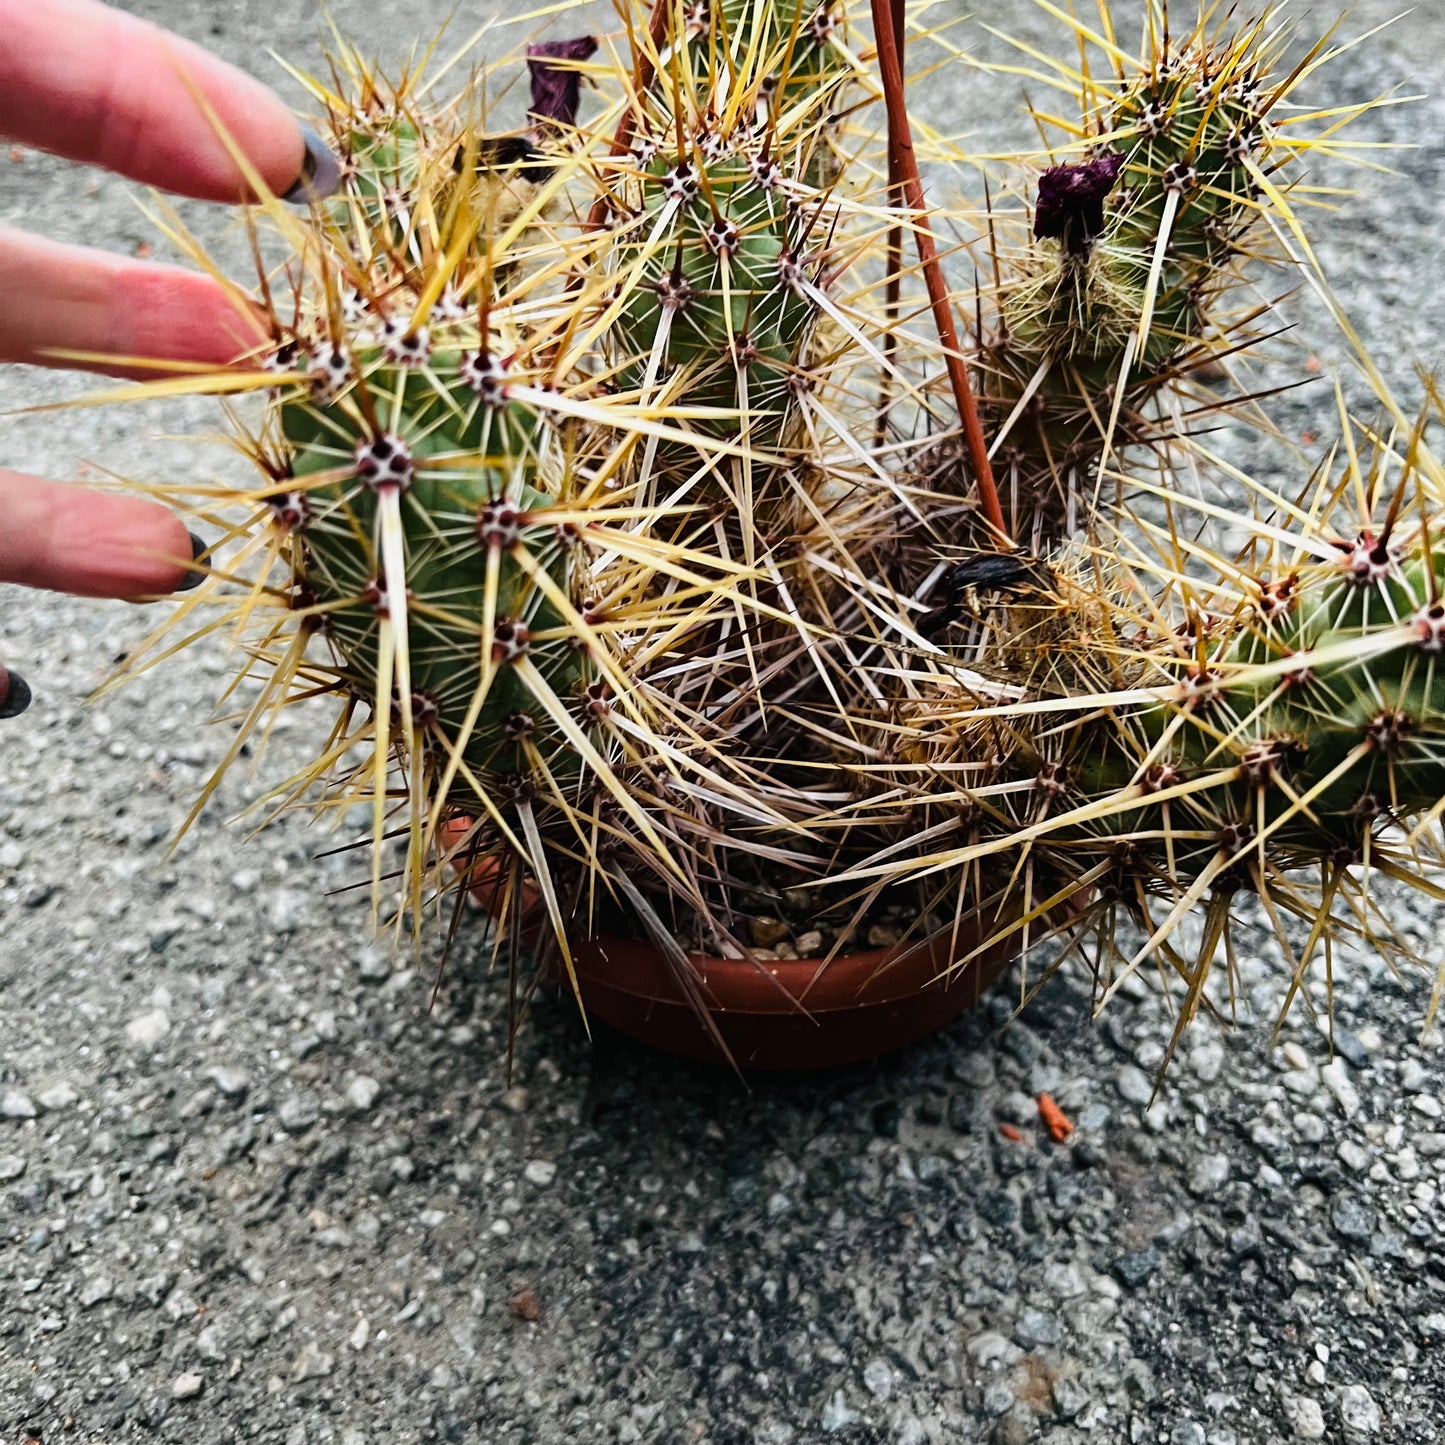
(1009, 1132)
(1055, 1120)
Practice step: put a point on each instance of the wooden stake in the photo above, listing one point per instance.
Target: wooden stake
(894, 261)
(903, 163)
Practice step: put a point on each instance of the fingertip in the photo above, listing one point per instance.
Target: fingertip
(91, 544)
(159, 553)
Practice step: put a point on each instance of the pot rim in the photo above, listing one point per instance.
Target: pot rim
(836, 983)
(871, 977)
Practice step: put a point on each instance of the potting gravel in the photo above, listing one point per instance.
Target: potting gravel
(252, 1188)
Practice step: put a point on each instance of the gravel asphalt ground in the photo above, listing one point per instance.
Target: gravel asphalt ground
(252, 1190)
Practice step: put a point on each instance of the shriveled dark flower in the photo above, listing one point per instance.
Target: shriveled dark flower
(556, 89)
(1071, 202)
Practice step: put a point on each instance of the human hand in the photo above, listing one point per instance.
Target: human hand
(96, 85)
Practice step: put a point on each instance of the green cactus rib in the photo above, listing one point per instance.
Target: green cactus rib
(718, 311)
(718, 296)
(1194, 134)
(1309, 757)
(468, 506)
(383, 163)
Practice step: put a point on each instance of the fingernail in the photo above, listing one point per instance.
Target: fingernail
(320, 172)
(14, 694)
(193, 577)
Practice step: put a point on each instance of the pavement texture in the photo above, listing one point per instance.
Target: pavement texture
(251, 1189)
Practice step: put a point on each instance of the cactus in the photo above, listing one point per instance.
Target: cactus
(1104, 729)
(449, 516)
(1324, 698)
(656, 611)
(798, 44)
(434, 523)
(420, 481)
(719, 314)
(1285, 732)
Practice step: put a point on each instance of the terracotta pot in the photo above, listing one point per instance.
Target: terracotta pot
(799, 1014)
(782, 1014)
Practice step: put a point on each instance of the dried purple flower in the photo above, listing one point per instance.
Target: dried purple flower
(556, 89)
(1071, 202)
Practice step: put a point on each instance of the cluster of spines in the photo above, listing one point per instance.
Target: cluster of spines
(1315, 715)
(1175, 743)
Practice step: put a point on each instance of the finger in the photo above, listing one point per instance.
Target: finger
(93, 544)
(70, 298)
(98, 85)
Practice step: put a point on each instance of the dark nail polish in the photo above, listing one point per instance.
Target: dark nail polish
(193, 578)
(14, 694)
(320, 172)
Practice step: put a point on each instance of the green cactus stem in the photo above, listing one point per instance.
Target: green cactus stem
(793, 44)
(1127, 278)
(455, 461)
(729, 210)
(723, 294)
(1291, 735)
